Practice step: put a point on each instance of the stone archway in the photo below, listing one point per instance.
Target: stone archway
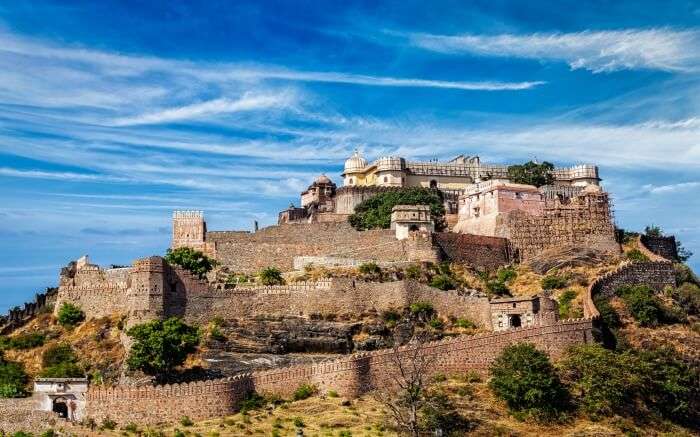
(60, 406)
(515, 321)
(433, 184)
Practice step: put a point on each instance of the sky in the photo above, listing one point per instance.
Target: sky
(115, 113)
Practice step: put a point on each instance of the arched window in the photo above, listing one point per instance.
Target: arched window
(386, 179)
(350, 181)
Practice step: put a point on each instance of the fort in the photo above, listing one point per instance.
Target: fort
(493, 222)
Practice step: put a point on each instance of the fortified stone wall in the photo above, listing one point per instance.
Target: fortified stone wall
(18, 316)
(22, 415)
(664, 247)
(341, 297)
(279, 245)
(349, 376)
(475, 250)
(589, 224)
(656, 274)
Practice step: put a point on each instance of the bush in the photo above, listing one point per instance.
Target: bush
(565, 301)
(13, 379)
(108, 424)
(304, 391)
(497, 288)
(332, 394)
(642, 304)
(602, 382)
(636, 255)
(465, 323)
(506, 274)
(161, 345)
(688, 297)
(299, 422)
(525, 379)
(413, 272)
(186, 421)
(553, 281)
(59, 361)
(443, 282)
(369, 268)
(422, 310)
(375, 212)
(270, 276)
(532, 173)
(252, 401)
(70, 315)
(436, 323)
(22, 341)
(189, 259)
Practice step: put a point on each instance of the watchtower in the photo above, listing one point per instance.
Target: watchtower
(411, 218)
(189, 229)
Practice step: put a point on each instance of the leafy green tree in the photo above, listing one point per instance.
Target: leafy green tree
(565, 304)
(642, 304)
(443, 282)
(13, 379)
(653, 231)
(526, 380)
(375, 212)
(602, 382)
(161, 345)
(60, 361)
(506, 274)
(553, 281)
(193, 260)
(532, 173)
(70, 315)
(271, 276)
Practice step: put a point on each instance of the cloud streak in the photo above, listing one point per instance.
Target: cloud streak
(597, 51)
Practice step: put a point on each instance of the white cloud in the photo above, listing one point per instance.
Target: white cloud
(61, 176)
(598, 51)
(672, 188)
(248, 102)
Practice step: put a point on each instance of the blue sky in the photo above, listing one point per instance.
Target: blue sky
(114, 113)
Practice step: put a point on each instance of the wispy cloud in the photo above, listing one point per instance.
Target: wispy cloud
(248, 102)
(61, 176)
(672, 188)
(598, 51)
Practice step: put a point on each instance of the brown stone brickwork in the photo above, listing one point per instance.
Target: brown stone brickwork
(656, 274)
(349, 376)
(475, 250)
(661, 247)
(22, 415)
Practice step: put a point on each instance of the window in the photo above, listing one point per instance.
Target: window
(518, 195)
(433, 184)
(350, 181)
(386, 179)
(514, 304)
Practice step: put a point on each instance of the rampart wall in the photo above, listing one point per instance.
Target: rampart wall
(279, 245)
(349, 376)
(17, 316)
(662, 247)
(22, 415)
(476, 250)
(656, 274)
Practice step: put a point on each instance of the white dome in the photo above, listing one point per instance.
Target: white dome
(355, 162)
(323, 179)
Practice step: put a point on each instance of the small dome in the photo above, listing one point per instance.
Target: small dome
(355, 162)
(323, 179)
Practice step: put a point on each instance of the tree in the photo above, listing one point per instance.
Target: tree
(653, 231)
(641, 302)
(59, 361)
(405, 391)
(532, 173)
(190, 259)
(271, 276)
(161, 345)
(525, 378)
(13, 379)
(70, 315)
(375, 212)
(601, 381)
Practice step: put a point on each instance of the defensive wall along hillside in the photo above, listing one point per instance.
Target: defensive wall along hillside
(350, 376)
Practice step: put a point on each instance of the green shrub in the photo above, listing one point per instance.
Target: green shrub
(252, 401)
(465, 323)
(22, 434)
(70, 315)
(28, 340)
(565, 301)
(443, 282)
(186, 421)
(131, 427)
(436, 323)
(506, 274)
(688, 297)
(497, 288)
(369, 268)
(526, 380)
(532, 173)
(13, 379)
(178, 433)
(608, 315)
(413, 272)
(108, 424)
(642, 304)
(161, 345)
(553, 281)
(299, 422)
(332, 394)
(422, 310)
(636, 255)
(189, 259)
(391, 316)
(601, 381)
(375, 212)
(304, 391)
(59, 361)
(271, 276)
(48, 433)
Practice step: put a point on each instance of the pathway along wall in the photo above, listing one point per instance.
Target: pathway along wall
(350, 376)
